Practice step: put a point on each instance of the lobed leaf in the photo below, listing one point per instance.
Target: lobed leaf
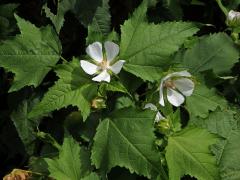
(71, 164)
(73, 88)
(188, 153)
(210, 54)
(25, 126)
(100, 27)
(30, 55)
(147, 47)
(219, 122)
(126, 139)
(62, 8)
(204, 100)
(228, 155)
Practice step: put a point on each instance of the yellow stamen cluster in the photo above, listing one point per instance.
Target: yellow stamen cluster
(169, 84)
(104, 64)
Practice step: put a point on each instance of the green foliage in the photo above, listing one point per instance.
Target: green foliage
(25, 126)
(92, 176)
(85, 10)
(30, 55)
(88, 13)
(72, 164)
(58, 19)
(225, 124)
(101, 24)
(218, 122)
(73, 88)
(114, 86)
(124, 102)
(210, 54)
(227, 152)
(188, 153)
(73, 128)
(204, 100)
(126, 139)
(7, 20)
(146, 47)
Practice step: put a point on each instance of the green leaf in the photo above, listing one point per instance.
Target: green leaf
(124, 102)
(114, 86)
(25, 126)
(126, 140)
(218, 122)
(210, 54)
(227, 149)
(175, 120)
(146, 47)
(7, 21)
(63, 7)
(204, 100)
(85, 10)
(80, 129)
(100, 27)
(228, 155)
(71, 164)
(30, 55)
(38, 164)
(187, 153)
(73, 88)
(92, 176)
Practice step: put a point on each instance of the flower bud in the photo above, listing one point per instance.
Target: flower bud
(233, 18)
(163, 126)
(98, 103)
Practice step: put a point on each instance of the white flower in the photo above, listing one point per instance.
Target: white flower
(232, 15)
(178, 85)
(102, 64)
(233, 18)
(154, 108)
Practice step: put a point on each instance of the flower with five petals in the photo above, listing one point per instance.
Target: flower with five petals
(177, 85)
(104, 64)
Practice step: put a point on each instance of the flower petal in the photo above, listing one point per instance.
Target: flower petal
(116, 68)
(232, 15)
(88, 67)
(182, 73)
(185, 86)
(158, 117)
(176, 74)
(150, 106)
(111, 49)
(174, 97)
(161, 98)
(103, 76)
(94, 50)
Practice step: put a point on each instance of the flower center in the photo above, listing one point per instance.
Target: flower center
(169, 84)
(104, 64)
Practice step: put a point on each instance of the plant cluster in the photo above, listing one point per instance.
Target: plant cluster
(154, 97)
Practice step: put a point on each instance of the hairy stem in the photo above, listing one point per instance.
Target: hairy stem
(222, 7)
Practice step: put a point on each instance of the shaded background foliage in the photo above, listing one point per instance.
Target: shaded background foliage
(73, 38)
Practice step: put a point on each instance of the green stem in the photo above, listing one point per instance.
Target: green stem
(48, 139)
(63, 59)
(222, 7)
